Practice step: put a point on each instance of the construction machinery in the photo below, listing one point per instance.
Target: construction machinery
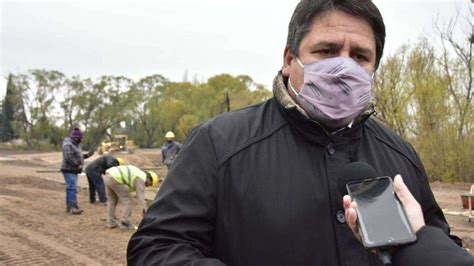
(119, 143)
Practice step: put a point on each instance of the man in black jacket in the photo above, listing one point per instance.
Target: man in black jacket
(94, 172)
(259, 186)
(71, 166)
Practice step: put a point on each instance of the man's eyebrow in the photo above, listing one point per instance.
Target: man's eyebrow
(334, 45)
(324, 44)
(362, 50)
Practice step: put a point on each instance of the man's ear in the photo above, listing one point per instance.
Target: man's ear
(287, 61)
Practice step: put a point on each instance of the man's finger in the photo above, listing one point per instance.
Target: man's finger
(402, 191)
(351, 219)
(346, 200)
(410, 205)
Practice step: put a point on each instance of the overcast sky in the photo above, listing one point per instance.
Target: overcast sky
(168, 37)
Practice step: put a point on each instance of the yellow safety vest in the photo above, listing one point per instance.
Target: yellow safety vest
(126, 174)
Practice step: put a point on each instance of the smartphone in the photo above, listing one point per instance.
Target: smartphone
(382, 220)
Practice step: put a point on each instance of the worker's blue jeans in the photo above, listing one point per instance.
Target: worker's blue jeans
(96, 183)
(71, 189)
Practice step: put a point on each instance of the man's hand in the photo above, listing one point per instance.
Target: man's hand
(410, 205)
(90, 153)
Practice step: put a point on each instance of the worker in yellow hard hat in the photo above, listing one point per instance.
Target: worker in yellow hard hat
(170, 135)
(170, 149)
(120, 181)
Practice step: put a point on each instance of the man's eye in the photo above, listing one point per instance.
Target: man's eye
(360, 58)
(324, 52)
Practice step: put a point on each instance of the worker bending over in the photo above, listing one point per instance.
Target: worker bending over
(120, 181)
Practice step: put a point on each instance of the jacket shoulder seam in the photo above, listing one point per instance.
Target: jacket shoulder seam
(395, 148)
(248, 143)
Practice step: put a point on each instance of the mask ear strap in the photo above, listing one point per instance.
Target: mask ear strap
(299, 62)
(289, 80)
(291, 87)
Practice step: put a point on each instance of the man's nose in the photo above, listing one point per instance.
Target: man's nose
(344, 53)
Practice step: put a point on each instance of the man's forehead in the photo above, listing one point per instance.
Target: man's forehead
(333, 26)
(340, 19)
(330, 17)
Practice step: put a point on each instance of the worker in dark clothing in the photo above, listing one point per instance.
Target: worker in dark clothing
(71, 166)
(94, 172)
(170, 149)
(259, 186)
(432, 246)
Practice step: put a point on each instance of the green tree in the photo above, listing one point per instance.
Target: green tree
(423, 98)
(459, 70)
(430, 110)
(392, 94)
(457, 65)
(105, 105)
(6, 130)
(49, 104)
(147, 95)
(185, 104)
(36, 109)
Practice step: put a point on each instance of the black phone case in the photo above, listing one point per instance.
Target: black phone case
(388, 242)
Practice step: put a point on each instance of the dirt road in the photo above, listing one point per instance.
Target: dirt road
(35, 229)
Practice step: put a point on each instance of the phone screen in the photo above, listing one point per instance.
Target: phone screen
(382, 221)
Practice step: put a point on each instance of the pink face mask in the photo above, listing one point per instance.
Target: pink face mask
(335, 91)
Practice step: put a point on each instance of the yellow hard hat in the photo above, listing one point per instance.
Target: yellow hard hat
(170, 135)
(119, 160)
(154, 178)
